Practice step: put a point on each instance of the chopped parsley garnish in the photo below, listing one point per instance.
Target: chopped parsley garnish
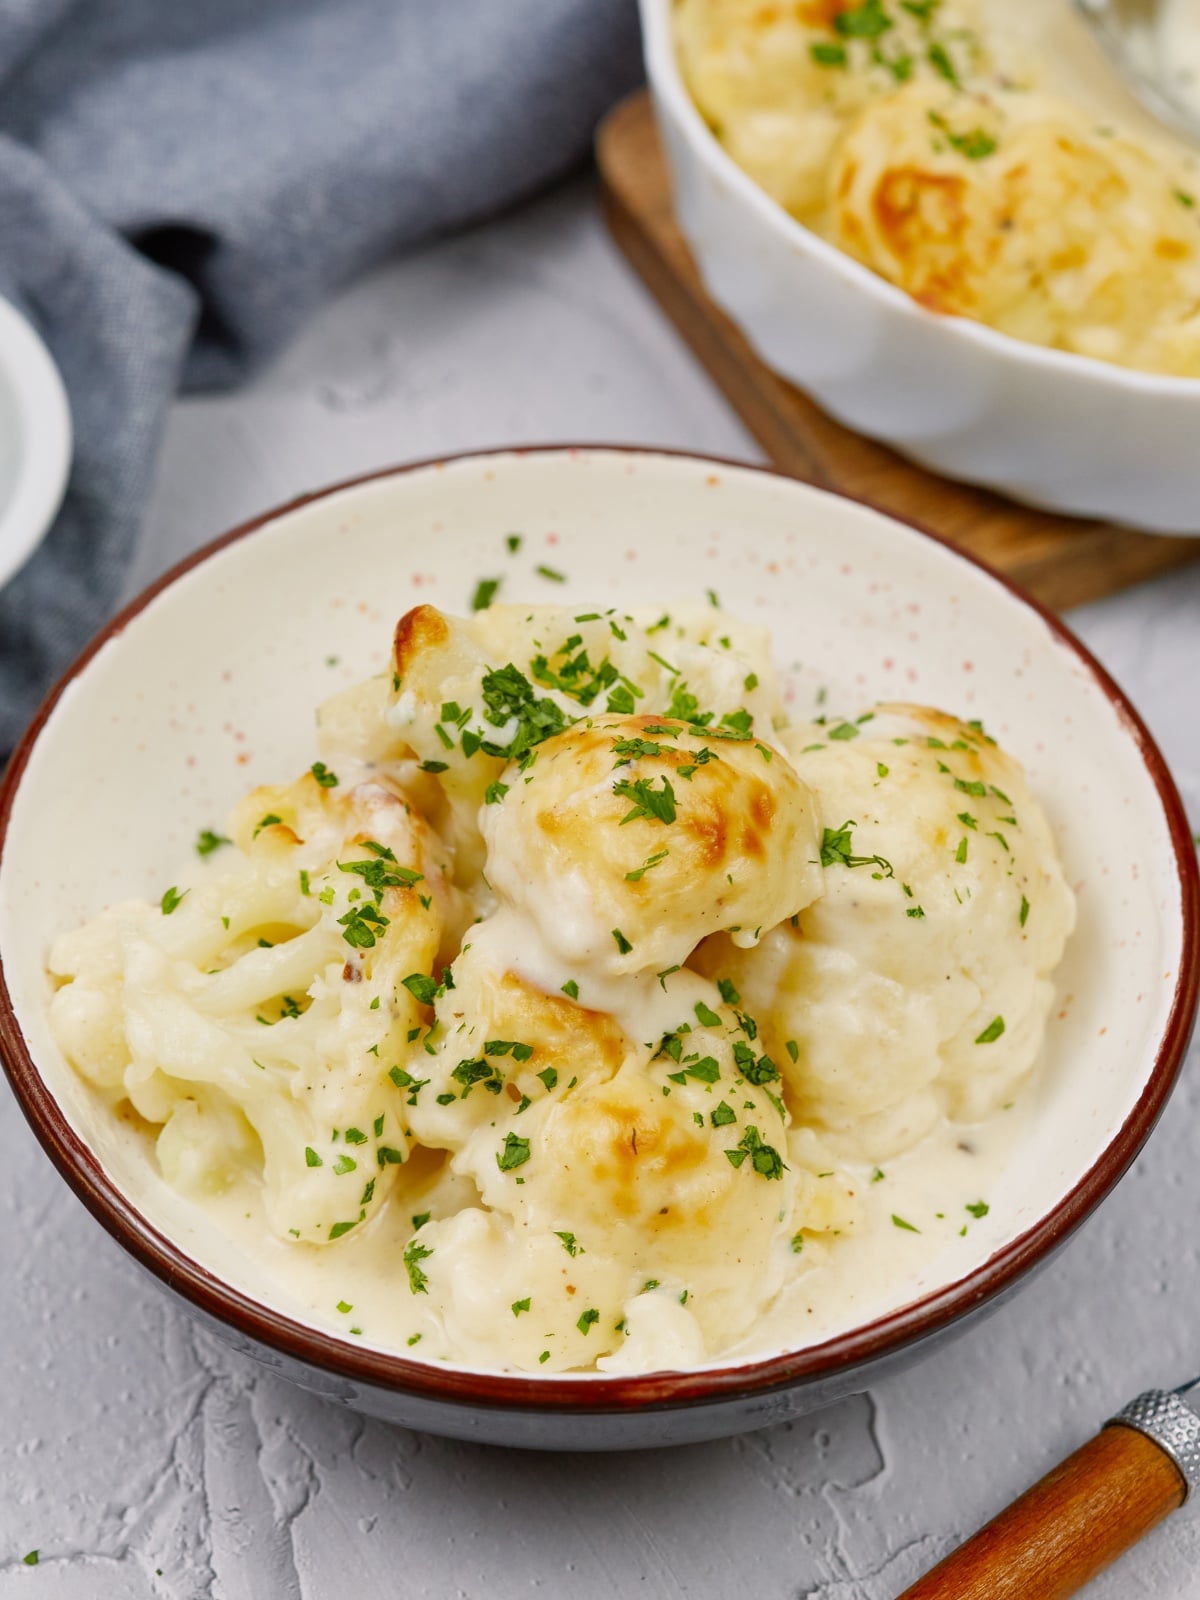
(837, 845)
(388, 1156)
(797, 1243)
(648, 865)
(729, 992)
(1184, 198)
(916, 912)
(508, 696)
(979, 790)
(311, 1158)
(361, 924)
(706, 1015)
(723, 1115)
(992, 1032)
(571, 989)
(551, 574)
(515, 1153)
(975, 145)
(588, 1320)
(494, 793)
(30, 1559)
(434, 766)
(793, 1050)
(269, 821)
(327, 779)
(344, 1307)
(513, 541)
(419, 1221)
(623, 944)
(504, 1047)
(866, 21)
(967, 820)
(340, 1228)
(979, 1208)
(549, 1076)
(960, 855)
(521, 1305)
(414, 1253)
(207, 841)
(828, 55)
(485, 593)
(899, 1222)
(570, 1244)
(382, 873)
(421, 987)
(344, 1164)
(764, 1158)
(844, 731)
(878, 1175)
(940, 60)
(1024, 911)
(655, 805)
(172, 899)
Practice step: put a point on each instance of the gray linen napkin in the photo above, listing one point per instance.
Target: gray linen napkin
(182, 180)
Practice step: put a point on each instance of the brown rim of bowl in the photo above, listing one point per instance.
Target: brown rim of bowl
(585, 1393)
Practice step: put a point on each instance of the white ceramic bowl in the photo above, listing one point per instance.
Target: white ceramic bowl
(35, 440)
(207, 684)
(1049, 428)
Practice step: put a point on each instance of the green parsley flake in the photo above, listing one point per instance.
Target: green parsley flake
(974, 145)
(31, 1559)
(899, 1222)
(269, 821)
(569, 1244)
(764, 1158)
(515, 1153)
(588, 1320)
(521, 1305)
(550, 574)
(654, 805)
(941, 62)
(1024, 911)
(867, 21)
(623, 944)
(485, 593)
(327, 779)
(992, 1032)
(207, 841)
(311, 1158)
(421, 987)
(980, 1208)
(837, 846)
(513, 541)
(571, 989)
(172, 899)
(828, 55)
(414, 1253)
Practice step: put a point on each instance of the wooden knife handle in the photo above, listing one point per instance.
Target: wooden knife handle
(1067, 1528)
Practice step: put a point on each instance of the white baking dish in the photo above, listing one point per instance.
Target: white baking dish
(1053, 429)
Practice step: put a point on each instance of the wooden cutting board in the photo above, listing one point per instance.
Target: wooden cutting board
(1062, 560)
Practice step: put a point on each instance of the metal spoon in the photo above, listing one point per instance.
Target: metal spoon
(1127, 29)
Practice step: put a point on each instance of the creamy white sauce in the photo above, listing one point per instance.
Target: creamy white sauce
(836, 1288)
(1050, 41)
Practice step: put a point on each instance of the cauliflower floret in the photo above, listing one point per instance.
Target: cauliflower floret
(919, 982)
(631, 838)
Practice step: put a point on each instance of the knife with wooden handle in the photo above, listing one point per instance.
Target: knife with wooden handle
(1139, 1468)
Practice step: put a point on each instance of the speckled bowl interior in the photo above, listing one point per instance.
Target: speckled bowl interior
(209, 686)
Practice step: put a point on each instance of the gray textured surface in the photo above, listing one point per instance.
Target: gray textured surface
(130, 1443)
